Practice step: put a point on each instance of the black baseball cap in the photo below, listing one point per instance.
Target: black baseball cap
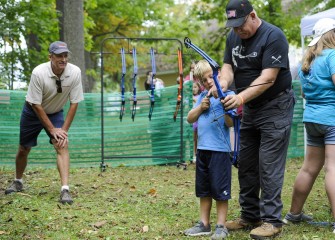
(236, 11)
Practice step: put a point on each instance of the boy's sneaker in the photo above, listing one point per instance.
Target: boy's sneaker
(198, 230)
(240, 223)
(16, 186)
(291, 218)
(65, 197)
(265, 231)
(221, 232)
(333, 225)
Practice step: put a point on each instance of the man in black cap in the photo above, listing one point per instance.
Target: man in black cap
(256, 55)
(52, 84)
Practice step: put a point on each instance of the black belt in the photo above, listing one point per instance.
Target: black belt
(257, 105)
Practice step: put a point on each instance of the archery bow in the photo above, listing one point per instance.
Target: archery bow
(152, 84)
(241, 88)
(122, 83)
(215, 67)
(133, 112)
(180, 88)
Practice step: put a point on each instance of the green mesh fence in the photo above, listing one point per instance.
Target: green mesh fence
(129, 143)
(126, 142)
(296, 147)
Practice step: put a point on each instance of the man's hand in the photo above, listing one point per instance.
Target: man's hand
(58, 134)
(62, 143)
(60, 137)
(232, 101)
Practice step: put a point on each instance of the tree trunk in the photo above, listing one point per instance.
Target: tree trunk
(72, 29)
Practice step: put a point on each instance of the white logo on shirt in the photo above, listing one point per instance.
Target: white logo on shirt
(276, 59)
(236, 52)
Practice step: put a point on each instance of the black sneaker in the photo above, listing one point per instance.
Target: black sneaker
(221, 232)
(291, 218)
(198, 230)
(65, 197)
(16, 186)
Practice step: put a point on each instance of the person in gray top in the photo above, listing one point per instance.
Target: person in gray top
(52, 84)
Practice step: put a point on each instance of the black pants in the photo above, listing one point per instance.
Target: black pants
(264, 138)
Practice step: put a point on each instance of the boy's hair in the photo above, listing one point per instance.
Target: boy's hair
(201, 68)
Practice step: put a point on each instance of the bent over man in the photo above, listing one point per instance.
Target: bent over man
(52, 84)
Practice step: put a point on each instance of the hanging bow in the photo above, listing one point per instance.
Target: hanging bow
(123, 57)
(133, 112)
(152, 84)
(180, 87)
(215, 67)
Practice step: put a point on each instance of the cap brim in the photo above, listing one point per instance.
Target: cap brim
(237, 22)
(61, 51)
(314, 41)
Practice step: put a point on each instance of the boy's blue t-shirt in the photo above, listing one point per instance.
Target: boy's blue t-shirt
(212, 135)
(319, 89)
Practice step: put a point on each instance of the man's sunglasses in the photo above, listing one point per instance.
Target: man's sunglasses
(59, 86)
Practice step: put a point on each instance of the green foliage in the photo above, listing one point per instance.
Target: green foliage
(28, 26)
(21, 22)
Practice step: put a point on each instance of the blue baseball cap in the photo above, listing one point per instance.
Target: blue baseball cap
(58, 47)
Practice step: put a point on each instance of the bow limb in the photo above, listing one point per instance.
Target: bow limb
(133, 112)
(214, 65)
(152, 84)
(122, 84)
(180, 87)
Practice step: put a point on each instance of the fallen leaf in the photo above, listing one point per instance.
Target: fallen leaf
(152, 192)
(132, 188)
(99, 224)
(145, 229)
(2, 232)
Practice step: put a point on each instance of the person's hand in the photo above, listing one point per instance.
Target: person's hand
(212, 92)
(205, 103)
(232, 101)
(58, 134)
(62, 143)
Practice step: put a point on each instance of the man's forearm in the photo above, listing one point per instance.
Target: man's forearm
(43, 117)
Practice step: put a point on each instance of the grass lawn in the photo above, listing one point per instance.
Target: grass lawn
(153, 202)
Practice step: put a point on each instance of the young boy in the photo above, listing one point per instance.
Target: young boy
(213, 165)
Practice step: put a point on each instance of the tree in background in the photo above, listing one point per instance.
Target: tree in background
(28, 26)
(71, 31)
(25, 29)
